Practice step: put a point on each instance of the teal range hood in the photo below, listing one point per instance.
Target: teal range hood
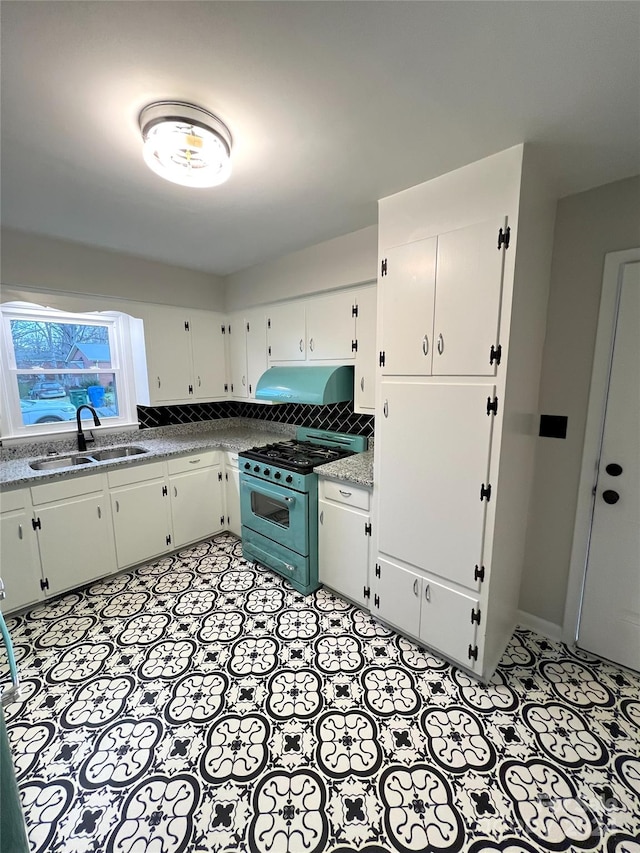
(314, 385)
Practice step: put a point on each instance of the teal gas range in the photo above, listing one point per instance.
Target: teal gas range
(279, 501)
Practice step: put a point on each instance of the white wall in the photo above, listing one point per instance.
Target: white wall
(588, 225)
(43, 263)
(343, 261)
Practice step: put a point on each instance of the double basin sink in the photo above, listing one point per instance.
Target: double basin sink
(68, 461)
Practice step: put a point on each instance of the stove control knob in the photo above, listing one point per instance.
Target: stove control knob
(266, 472)
(277, 475)
(256, 468)
(289, 479)
(247, 465)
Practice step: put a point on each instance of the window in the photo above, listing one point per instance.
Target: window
(54, 362)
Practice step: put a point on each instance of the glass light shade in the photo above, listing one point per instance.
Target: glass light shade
(192, 154)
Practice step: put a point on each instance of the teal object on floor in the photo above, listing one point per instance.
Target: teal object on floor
(13, 835)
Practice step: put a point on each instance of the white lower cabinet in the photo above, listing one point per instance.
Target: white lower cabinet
(197, 497)
(19, 558)
(75, 534)
(141, 513)
(232, 493)
(344, 537)
(436, 614)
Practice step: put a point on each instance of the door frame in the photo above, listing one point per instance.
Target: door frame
(614, 264)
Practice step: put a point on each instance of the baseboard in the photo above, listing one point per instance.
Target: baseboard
(540, 626)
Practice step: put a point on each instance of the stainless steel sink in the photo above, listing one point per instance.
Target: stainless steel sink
(117, 453)
(59, 462)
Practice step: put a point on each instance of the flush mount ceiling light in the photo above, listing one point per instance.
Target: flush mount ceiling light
(185, 144)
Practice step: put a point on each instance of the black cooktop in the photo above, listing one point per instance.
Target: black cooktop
(301, 456)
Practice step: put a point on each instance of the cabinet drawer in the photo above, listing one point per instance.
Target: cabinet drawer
(203, 459)
(16, 499)
(136, 474)
(231, 458)
(62, 489)
(345, 493)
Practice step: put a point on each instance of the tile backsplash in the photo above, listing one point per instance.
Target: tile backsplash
(338, 417)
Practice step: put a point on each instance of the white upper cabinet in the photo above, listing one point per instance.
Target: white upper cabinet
(286, 332)
(247, 351)
(407, 288)
(256, 331)
(365, 373)
(467, 304)
(185, 354)
(331, 327)
(237, 349)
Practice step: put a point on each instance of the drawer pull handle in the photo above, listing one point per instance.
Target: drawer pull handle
(301, 345)
(289, 568)
(159, 383)
(345, 494)
(415, 587)
(385, 409)
(322, 517)
(427, 592)
(175, 492)
(194, 461)
(244, 381)
(19, 531)
(425, 345)
(362, 384)
(311, 344)
(199, 382)
(117, 506)
(99, 513)
(440, 344)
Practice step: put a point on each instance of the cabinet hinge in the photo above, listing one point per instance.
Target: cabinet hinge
(504, 237)
(191, 389)
(37, 524)
(247, 327)
(168, 539)
(226, 387)
(226, 476)
(232, 387)
(222, 520)
(228, 520)
(164, 492)
(367, 529)
(219, 476)
(381, 359)
(485, 492)
(473, 652)
(229, 328)
(475, 616)
(478, 573)
(383, 267)
(367, 592)
(269, 323)
(377, 570)
(44, 583)
(354, 346)
(376, 601)
(250, 388)
(495, 354)
(223, 328)
(492, 405)
(186, 325)
(354, 310)
(269, 350)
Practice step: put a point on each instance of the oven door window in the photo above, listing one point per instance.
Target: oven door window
(271, 509)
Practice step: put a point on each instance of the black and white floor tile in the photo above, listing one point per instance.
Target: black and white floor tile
(199, 703)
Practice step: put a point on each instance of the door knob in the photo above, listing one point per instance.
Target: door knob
(610, 497)
(613, 469)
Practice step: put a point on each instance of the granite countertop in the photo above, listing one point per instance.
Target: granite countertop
(232, 434)
(356, 469)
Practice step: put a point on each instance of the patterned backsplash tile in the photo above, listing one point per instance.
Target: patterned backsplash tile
(338, 417)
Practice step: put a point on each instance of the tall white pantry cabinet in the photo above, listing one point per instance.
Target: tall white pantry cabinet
(462, 295)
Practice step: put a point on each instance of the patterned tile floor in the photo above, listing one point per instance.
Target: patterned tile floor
(200, 704)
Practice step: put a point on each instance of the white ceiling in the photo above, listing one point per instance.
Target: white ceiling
(331, 105)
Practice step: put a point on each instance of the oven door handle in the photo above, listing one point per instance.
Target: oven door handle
(271, 493)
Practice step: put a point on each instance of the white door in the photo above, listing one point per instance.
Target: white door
(207, 344)
(468, 294)
(397, 594)
(19, 561)
(237, 343)
(610, 617)
(406, 304)
(365, 374)
(168, 354)
(434, 442)
(343, 550)
(331, 327)
(141, 521)
(286, 332)
(196, 505)
(446, 622)
(256, 327)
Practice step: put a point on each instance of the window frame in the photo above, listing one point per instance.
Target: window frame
(122, 367)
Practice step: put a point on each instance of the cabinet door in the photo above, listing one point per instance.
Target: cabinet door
(397, 596)
(343, 550)
(76, 541)
(207, 347)
(365, 373)
(256, 326)
(434, 451)
(468, 295)
(20, 562)
(286, 332)
(237, 343)
(196, 505)
(445, 622)
(232, 478)
(168, 346)
(406, 301)
(141, 521)
(331, 327)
